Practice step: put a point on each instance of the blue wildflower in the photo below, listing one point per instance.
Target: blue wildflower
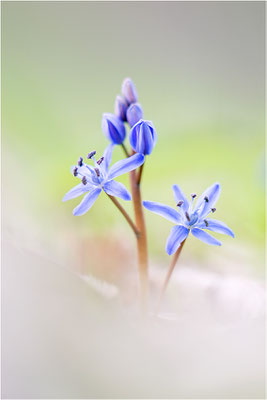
(134, 114)
(121, 106)
(129, 91)
(143, 137)
(191, 218)
(100, 177)
(113, 128)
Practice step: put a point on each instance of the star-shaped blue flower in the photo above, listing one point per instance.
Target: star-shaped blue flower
(100, 177)
(191, 218)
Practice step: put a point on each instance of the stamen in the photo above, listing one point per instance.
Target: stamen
(206, 222)
(97, 171)
(180, 203)
(84, 180)
(80, 162)
(91, 154)
(213, 210)
(100, 160)
(193, 195)
(187, 216)
(75, 171)
(206, 199)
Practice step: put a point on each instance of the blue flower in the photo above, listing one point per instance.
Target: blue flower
(191, 218)
(121, 106)
(143, 137)
(100, 177)
(113, 128)
(129, 91)
(134, 114)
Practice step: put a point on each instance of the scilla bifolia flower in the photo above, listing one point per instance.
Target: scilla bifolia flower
(134, 114)
(191, 218)
(100, 177)
(121, 106)
(143, 137)
(113, 128)
(129, 91)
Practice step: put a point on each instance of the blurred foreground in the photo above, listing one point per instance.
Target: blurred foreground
(66, 336)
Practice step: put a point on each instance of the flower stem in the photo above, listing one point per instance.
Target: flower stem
(170, 271)
(125, 214)
(139, 175)
(141, 239)
(125, 150)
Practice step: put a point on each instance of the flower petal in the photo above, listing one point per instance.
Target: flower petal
(127, 165)
(212, 193)
(87, 202)
(76, 191)
(216, 226)
(117, 189)
(165, 211)
(107, 156)
(178, 196)
(205, 237)
(178, 234)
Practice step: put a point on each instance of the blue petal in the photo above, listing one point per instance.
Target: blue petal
(87, 202)
(216, 226)
(127, 165)
(107, 156)
(117, 189)
(76, 191)
(165, 211)
(213, 193)
(178, 196)
(205, 237)
(178, 234)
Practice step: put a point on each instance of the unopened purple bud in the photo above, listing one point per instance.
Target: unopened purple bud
(80, 162)
(84, 180)
(143, 137)
(129, 91)
(121, 107)
(113, 128)
(91, 154)
(134, 114)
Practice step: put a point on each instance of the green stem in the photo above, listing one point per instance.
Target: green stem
(170, 271)
(125, 214)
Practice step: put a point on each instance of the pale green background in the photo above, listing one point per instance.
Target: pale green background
(199, 71)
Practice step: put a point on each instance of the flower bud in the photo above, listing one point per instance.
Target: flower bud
(134, 114)
(129, 91)
(121, 107)
(143, 137)
(113, 128)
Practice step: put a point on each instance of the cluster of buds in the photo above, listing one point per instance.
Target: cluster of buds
(127, 110)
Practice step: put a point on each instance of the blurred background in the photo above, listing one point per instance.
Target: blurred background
(199, 71)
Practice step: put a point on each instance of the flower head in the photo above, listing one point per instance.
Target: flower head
(113, 128)
(191, 217)
(100, 177)
(134, 114)
(129, 91)
(143, 137)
